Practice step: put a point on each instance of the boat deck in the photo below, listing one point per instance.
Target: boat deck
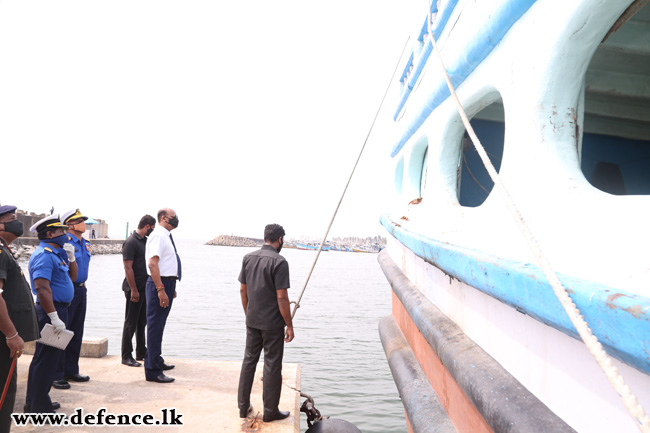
(205, 393)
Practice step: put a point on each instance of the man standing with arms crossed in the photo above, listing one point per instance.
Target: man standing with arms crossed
(17, 314)
(135, 270)
(69, 370)
(164, 268)
(52, 268)
(264, 279)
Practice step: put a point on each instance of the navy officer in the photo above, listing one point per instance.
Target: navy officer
(69, 369)
(52, 268)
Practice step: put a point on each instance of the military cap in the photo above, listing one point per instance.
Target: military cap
(6, 209)
(72, 214)
(50, 221)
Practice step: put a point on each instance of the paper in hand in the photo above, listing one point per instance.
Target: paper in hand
(60, 341)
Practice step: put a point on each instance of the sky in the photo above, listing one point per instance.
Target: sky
(235, 114)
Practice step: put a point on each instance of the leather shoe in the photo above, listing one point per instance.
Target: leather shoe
(244, 413)
(55, 405)
(161, 378)
(166, 367)
(77, 377)
(61, 384)
(139, 358)
(281, 414)
(131, 362)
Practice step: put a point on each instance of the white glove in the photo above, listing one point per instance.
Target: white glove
(69, 250)
(56, 322)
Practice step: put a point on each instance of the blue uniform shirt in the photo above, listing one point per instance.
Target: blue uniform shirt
(52, 265)
(82, 256)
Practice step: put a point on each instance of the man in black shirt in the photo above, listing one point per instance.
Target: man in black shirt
(18, 321)
(264, 279)
(135, 268)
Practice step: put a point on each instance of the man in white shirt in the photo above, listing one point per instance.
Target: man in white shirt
(164, 268)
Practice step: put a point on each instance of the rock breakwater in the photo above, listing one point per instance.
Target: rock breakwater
(235, 241)
(22, 251)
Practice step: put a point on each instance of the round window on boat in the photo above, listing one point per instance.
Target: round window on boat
(474, 183)
(615, 153)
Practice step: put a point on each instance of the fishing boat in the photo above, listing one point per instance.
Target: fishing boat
(484, 263)
(311, 246)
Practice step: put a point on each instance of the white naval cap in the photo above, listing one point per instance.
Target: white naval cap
(72, 214)
(48, 221)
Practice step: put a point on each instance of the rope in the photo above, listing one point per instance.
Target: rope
(595, 348)
(320, 248)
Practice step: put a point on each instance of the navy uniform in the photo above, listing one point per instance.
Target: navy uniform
(20, 308)
(69, 370)
(51, 264)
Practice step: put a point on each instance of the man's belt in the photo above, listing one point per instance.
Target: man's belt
(79, 284)
(169, 278)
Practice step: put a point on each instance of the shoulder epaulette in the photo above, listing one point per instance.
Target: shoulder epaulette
(49, 250)
(69, 237)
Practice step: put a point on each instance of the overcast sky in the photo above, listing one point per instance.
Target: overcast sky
(236, 114)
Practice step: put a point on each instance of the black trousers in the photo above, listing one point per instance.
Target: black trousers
(135, 321)
(273, 344)
(10, 399)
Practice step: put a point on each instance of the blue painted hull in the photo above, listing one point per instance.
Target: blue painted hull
(557, 92)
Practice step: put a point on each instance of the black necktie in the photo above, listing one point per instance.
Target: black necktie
(178, 259)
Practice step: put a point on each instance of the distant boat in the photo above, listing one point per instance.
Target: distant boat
(311, 247)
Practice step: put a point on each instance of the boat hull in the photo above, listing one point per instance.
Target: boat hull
(463, 330)
(545, 83)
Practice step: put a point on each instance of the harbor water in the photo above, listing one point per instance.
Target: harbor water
(337, 344)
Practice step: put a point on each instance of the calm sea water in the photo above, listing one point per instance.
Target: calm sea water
(337, 344)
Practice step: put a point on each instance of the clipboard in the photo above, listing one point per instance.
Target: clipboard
(60, 341)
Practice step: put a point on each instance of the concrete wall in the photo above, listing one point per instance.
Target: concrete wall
(30, 218)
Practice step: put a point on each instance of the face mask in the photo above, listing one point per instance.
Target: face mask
(14, 227)
(281, 245)
(173, 221)
(79, 227)
(149, 231)
(59, 240)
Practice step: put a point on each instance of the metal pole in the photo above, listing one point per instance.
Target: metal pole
(127, 230)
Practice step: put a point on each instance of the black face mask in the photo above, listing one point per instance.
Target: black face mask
(281, 244)
(14, 227)
(173, 221)
(149, 231)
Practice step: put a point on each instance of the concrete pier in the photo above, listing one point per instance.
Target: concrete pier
(204, 393)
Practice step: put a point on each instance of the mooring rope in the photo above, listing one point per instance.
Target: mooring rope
(320, 248)
(591, 341)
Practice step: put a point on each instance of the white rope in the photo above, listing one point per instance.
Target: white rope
(595, 348)
(320, 248)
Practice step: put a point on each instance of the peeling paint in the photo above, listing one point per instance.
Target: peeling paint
(636, 311)
(611, 299)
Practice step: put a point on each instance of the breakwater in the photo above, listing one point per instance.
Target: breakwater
(24, 247)
(235, 241)
(352, 244)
